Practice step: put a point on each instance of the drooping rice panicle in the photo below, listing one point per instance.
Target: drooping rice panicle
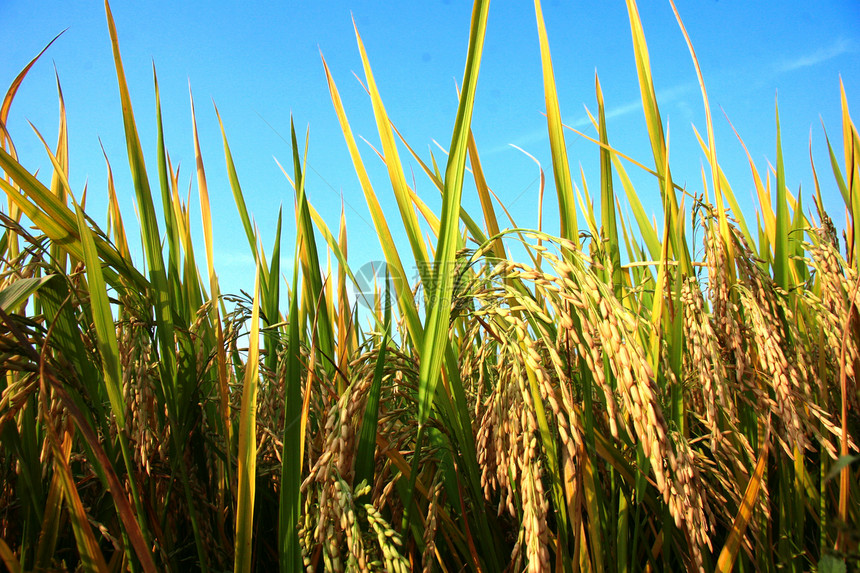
(562, 404)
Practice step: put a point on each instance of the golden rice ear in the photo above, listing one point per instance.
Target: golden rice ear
(534, 402)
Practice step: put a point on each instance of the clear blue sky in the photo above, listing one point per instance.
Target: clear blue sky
(259, 62)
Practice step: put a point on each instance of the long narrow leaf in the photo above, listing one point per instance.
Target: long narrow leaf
(730, 550)
(149, 224)
(311, 261)
(716, 182)
(654, 122)
(405, 299)
(365, 454)
(607, 197)
(247, 457)
(780, 253)
(103, 319)
(436, 339)
(289, 553)
(392, 161)
(560, 166)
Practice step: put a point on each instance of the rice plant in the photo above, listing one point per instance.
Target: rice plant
(624, 397)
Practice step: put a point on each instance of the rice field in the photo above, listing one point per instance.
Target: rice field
(624, 396)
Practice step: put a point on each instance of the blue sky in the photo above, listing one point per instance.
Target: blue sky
(260, 62)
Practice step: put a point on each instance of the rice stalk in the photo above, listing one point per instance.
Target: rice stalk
(560, 406)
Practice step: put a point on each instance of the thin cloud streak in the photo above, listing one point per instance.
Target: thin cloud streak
(612, 113)
(664, 97)
(841, 46)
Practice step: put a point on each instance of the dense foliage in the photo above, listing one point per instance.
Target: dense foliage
(626, 397)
